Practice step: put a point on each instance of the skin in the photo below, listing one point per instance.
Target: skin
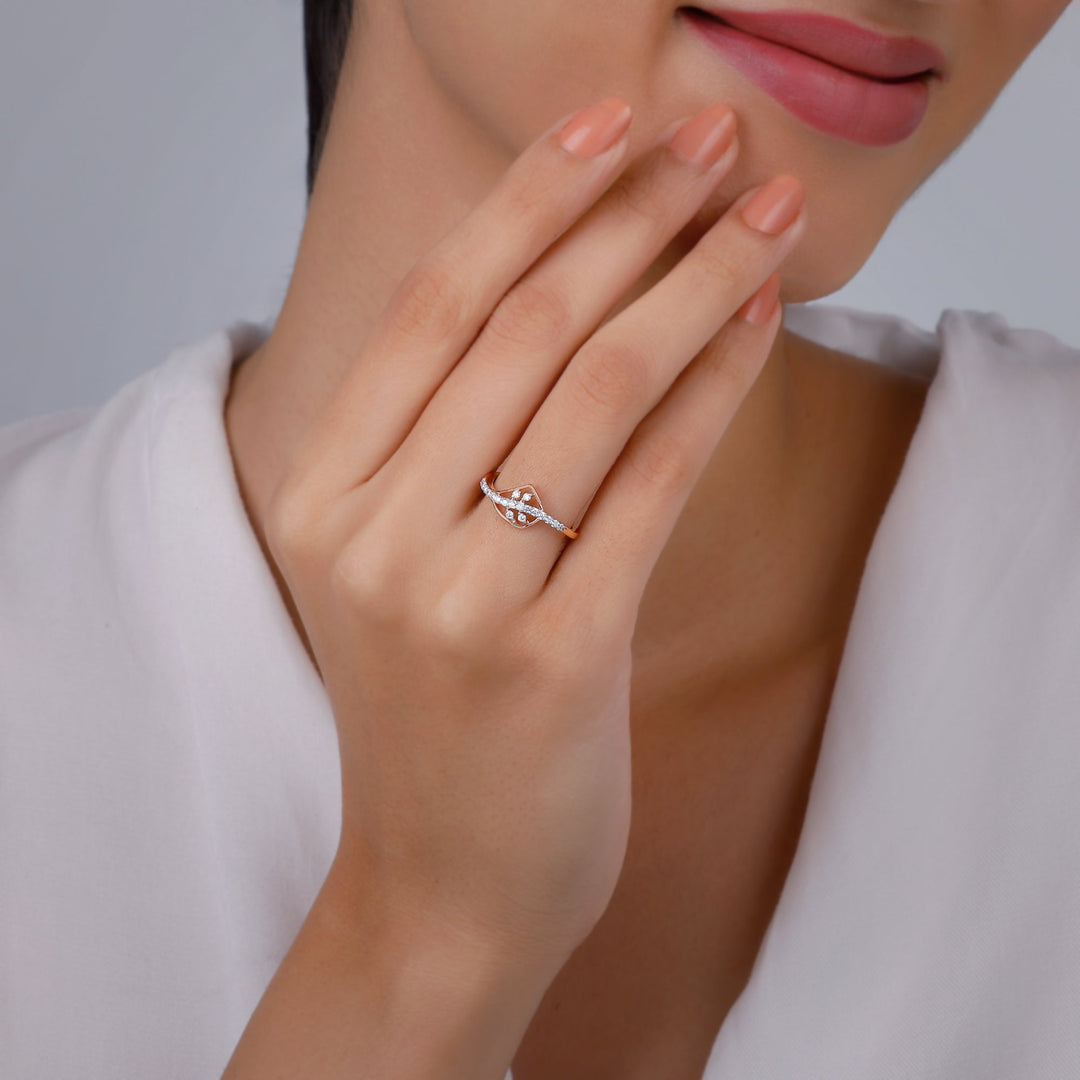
(741, 629)
(424, 95)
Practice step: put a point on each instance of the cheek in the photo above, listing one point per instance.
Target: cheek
(1031, 20)
(843, 232)
(514, 65)
(851, 207)
(511, 65)
(852, 194)
(993, 39)
(470, 44)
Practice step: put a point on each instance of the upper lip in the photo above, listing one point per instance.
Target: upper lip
(838, 41)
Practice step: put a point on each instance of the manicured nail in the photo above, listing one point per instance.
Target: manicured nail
(760, 307)
(596, 128)
(775, 206)
(705, 138)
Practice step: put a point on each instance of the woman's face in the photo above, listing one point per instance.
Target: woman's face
(514, 65)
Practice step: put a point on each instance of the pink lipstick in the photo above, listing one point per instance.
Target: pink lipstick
(836, 76)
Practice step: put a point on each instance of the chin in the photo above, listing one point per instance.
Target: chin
(827, 257)
(813, 272)
(799, 290)
(837, 243)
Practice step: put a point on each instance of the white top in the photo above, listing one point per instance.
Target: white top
(169, 785)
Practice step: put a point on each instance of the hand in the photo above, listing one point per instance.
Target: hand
(479, 673)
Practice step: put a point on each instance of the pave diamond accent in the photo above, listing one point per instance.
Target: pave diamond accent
(525, 501)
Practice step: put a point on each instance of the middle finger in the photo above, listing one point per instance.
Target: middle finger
(618, 377)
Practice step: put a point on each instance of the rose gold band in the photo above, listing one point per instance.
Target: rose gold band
(521, 506)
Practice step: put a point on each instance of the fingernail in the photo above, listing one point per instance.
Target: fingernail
(596, 128)
(705, 138)
(773, 208)
(760, 307)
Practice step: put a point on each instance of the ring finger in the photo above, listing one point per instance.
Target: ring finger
(628, 366)
(552, 310)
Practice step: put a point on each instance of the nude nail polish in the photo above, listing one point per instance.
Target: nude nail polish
(705, 138)
(760, 307)
(776, 206)
(596, 128)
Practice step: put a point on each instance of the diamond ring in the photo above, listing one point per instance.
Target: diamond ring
(521, 506)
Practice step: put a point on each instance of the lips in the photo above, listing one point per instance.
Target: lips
(836, 41)
(835, 76)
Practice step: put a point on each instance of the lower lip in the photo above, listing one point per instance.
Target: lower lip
(826, 97)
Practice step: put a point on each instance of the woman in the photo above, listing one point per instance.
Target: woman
(332, 773)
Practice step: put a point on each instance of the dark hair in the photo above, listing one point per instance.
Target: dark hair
(326, 31)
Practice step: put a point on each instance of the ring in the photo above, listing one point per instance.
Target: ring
(522, 506)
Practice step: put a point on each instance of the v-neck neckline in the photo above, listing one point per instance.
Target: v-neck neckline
(257, 582)
(922, 356)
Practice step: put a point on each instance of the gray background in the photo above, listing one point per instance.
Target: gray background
(151, 174)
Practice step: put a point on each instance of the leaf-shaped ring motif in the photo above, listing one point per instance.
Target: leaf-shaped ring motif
(521, 506)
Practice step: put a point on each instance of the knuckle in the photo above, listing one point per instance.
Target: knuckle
(720, 264)
(569, 665)
(610, 377)
(535, 195)
(456, 626)
(661, 460)
(641, 195)
(562, 669)
(549, 655)
(363, 574)
(728, 368)
(428, 304)
(532, 314)
(291, 522)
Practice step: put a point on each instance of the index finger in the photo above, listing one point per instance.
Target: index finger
(443, 301)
